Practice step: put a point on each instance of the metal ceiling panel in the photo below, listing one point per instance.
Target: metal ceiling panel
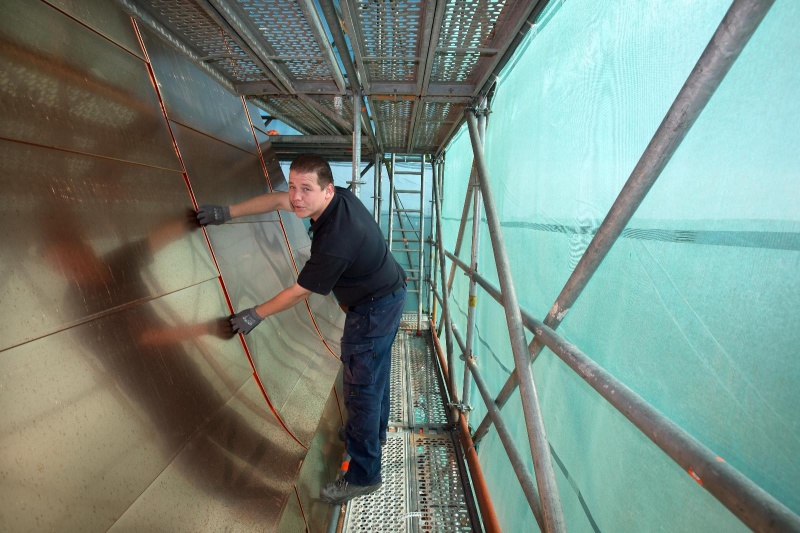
(294, 34)
(91, 96)
(434, 121)
(389, 38)
(236, 474)
(293, 518)
(330, 320)
(405, 51)
(99, 410)
(473, 36)
(255, 265)
(393, 119)
(74, 215)
(312, 122)
(198, 29)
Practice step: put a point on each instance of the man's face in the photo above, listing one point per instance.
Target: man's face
(308, 199)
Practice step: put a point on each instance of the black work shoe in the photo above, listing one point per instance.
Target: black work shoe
(343, 437)
(340, 491)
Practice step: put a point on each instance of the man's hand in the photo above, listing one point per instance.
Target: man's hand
(244, 321)
(213, 214)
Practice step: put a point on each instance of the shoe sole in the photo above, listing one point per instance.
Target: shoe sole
(366, 491)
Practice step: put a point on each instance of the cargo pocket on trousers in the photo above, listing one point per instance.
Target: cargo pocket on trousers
(359, 363)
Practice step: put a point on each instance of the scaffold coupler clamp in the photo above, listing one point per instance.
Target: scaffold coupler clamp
(462, 407)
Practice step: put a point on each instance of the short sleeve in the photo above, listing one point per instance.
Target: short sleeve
(321, 272)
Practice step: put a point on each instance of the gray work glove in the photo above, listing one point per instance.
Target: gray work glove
(213, 214)
(244, 321)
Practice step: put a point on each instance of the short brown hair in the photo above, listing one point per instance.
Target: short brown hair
(308, 163)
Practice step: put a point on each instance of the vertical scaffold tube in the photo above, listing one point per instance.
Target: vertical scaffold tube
(451, 380)
(390, 229)
(540, 448)
(356, 142)
(421, 244)
(472, 303)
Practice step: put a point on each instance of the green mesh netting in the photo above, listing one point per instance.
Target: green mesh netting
(696, 306)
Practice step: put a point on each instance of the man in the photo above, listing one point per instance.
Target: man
(349, 257)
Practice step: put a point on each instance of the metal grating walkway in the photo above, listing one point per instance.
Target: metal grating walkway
(423, 469)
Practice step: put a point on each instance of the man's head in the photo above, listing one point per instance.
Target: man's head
(310, 185)
(313, 164)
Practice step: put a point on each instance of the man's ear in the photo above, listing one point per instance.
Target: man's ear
(328, 191)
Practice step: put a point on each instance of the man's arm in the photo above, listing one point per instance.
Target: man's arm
(265, 203)
(283, 300)
(245, 321)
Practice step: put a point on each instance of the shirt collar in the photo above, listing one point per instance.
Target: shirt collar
(316, 224)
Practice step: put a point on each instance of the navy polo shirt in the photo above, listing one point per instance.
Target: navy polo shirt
(349, 254)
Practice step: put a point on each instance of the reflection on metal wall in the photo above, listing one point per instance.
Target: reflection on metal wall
(67, 87)
(238, 469)
(93, 414)
(73, 216)
(126, 404)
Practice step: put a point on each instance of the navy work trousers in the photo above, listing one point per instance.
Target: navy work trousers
(369, 331)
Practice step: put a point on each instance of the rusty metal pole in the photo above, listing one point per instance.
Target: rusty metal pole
(540, 448)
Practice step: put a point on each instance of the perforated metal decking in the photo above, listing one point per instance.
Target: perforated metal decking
(425, 485)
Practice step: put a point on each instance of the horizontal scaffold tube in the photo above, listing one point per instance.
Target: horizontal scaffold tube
(758, 509)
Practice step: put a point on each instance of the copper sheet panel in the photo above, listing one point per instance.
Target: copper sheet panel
(304, 406)
(321, 465)
(236, 474)
(93, 414)
(103, 233)
(220, 173)
(105, 18)
(63, 85)
(194, 99)
(328, 316)
(330, 320)
(255, 265)
(292, 518)
(278, 180)
(297, 233)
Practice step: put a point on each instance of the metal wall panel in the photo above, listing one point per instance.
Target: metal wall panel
(321, 465)
(193, 99)
(93, 414)
(256, 266)
(81, 224)
(105, 18)
(292, 519)
(330, 320)
(305, 404)
(65, 86)
(220, 173)
(236, 474)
